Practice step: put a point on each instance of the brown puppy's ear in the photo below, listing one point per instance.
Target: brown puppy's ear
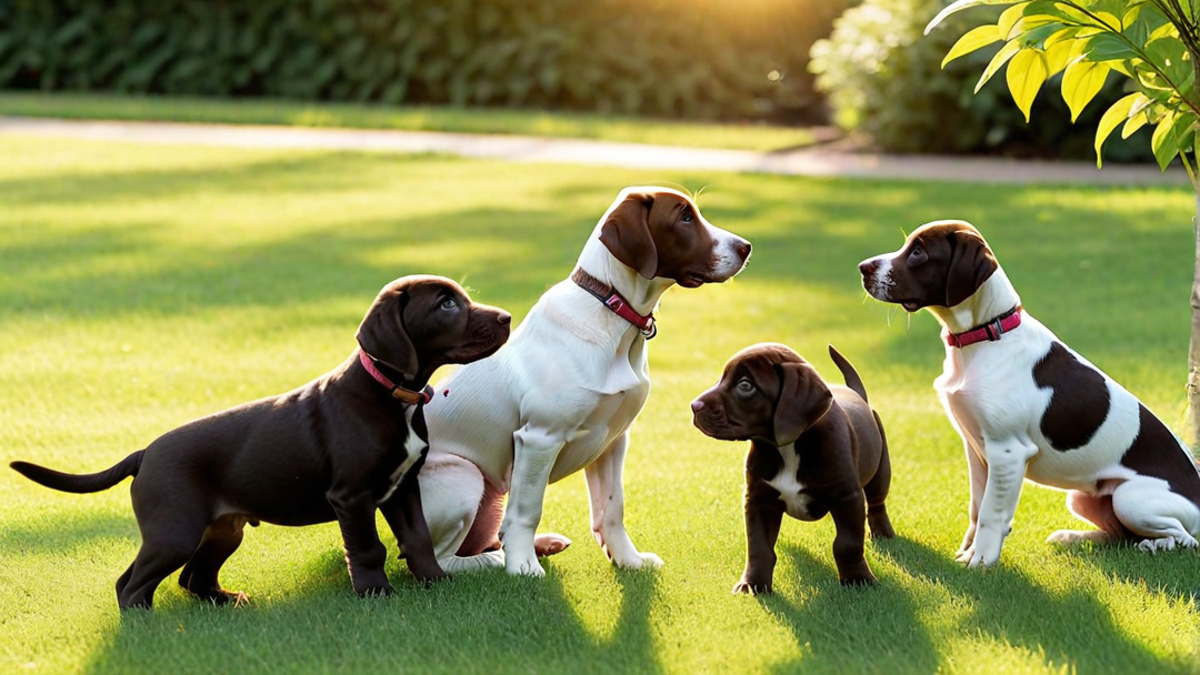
(626, 234)
(383, 336)
(970, 265)
(803, 400)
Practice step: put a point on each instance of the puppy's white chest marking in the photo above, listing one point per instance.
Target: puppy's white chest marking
(791, 490)
(413, 447)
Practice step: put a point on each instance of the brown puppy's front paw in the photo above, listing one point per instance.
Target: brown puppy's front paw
(867, 580)
(746, 587)
(429, 577)
(378, 591)
(224, 597)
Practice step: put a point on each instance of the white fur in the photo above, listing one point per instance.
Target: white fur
(990, 396)
(413, 446)
(560, 396)
(790, 489)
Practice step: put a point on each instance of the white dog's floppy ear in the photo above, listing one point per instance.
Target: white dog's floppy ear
(382, 334)
(804, 398)
(971, 264)
(626, 234)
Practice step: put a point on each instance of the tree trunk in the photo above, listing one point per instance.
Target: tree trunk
(1193, 386)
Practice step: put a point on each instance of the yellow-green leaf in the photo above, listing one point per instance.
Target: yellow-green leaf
(974, 39)
(1009, 19)
(958, 7)
(1112, 118)
(1058, 54)
(1006, 52)
(1164, 142)
(1026, 74)
(1137, 121)
(1081, 81)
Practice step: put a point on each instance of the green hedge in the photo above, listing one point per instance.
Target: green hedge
(691, 58)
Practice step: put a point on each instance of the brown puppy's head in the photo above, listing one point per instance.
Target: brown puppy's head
(660, 233)
(942, 263)
(421, 322)
(767, 392)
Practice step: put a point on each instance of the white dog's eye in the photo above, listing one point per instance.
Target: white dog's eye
(449, 304)
(745, 386)
(916, 254)
(687, 217)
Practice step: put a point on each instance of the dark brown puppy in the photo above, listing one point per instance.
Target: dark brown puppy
(814, 449)
(337, 448)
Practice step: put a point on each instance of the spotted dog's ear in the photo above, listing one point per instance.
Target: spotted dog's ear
(382, 333)
(971, 264)
(804, 399)
(626, 234)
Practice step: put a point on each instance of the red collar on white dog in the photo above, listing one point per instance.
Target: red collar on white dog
(406, 395)
(990, 331)
(615, 302)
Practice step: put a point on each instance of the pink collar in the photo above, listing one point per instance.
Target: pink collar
(990, 331)
(406, 395)
(615, 302)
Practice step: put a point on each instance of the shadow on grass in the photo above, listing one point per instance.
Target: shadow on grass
(1005, 606)
(68, 532)
(486, 622)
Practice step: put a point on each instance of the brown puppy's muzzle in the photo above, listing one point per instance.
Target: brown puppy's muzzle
(709, 416)
(487, 330)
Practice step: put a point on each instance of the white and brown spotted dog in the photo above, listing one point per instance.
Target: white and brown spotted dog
(1027, 406)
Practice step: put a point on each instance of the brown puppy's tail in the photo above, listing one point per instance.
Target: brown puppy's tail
(81, 483)
(849, 374)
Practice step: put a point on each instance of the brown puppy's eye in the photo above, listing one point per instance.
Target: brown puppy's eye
(687, 218)
(449, 304)
(744, 387)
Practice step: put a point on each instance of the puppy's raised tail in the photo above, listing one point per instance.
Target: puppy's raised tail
(849, 374)
(81, 483)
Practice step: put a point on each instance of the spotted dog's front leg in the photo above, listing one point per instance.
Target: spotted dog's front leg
(978, 473)
(534, 452)
(1006, 462)
(606, 501)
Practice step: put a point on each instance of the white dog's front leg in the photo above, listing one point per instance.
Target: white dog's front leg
(1006, 461)
(606, 501)
(534, 452)
(978, 473)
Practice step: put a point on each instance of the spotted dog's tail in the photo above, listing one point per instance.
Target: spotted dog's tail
(81, 483)
(849, 374)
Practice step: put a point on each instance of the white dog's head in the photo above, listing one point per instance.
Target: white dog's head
(659, 232)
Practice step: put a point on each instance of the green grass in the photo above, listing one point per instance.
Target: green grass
(748, 136)
(141, 287)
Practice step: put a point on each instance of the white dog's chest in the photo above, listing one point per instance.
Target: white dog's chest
(791, 490)
(612, 416)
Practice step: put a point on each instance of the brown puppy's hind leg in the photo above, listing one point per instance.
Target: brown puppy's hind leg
(199, 575)
(876, 491)
(164, 550)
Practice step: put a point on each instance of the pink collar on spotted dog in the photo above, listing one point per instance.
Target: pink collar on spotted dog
(406, 395)
(990, 331)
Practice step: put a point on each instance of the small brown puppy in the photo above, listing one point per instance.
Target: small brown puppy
(337, 448)
(814, 449)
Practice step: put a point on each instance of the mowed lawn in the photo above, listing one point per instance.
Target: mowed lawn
(144, 286)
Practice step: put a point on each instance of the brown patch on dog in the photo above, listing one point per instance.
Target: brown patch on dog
(1079, 399)
(660, 234)
(1156, 452)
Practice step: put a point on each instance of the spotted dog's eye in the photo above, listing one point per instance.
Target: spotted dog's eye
(687, 217)
(916, 254)
(744, 387)
(449, 304)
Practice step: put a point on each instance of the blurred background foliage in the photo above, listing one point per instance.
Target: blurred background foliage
(871, 71)
(697, 59)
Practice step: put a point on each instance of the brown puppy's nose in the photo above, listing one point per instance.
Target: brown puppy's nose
(697, 406)
(868, 267)
(504, 318)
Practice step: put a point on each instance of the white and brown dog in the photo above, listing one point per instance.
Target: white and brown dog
(1027, 406)
(561, 395)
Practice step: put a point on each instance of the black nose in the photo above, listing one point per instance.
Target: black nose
(504, 318)
(697, 406)
(868, 267)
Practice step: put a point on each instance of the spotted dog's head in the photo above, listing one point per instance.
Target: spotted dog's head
(660, 233)
(418, 323)
(766, 392)
(941, 264)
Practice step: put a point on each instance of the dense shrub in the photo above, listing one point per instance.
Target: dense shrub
(692, 58)
(884, 78)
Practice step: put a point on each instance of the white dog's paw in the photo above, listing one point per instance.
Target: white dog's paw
(984, 552)
(1156, 545)
(455, 564)
(639, 561)
(528, 567)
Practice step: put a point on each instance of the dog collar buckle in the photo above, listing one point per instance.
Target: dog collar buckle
(989, 332)
(615, 302)
(399, 393)
(408, 396)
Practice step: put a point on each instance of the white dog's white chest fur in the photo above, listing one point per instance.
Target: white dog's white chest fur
(791, 490)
